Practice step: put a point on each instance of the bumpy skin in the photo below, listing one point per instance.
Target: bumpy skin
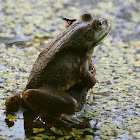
(62, 71)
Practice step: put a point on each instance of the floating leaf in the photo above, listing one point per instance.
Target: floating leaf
(57, 131)
(43, 136)
(88, 137)
(11, 117)
(37, 130)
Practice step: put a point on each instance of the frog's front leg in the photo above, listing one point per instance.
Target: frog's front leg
(87, 72)
(52, 102)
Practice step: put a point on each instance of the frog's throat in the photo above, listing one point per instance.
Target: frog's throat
(103, 37)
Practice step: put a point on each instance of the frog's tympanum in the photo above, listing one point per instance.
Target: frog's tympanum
(63, 73)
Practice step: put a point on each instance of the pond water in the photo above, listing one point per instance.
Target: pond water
(113, 105)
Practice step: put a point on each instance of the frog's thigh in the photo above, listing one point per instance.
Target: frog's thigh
(53, 102)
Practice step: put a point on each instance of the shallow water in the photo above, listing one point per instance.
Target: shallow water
(113, 105)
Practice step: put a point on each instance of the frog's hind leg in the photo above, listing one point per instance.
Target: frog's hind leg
(50, 101)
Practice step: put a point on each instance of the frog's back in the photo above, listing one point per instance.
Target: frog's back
(62, 51)
(64, 41)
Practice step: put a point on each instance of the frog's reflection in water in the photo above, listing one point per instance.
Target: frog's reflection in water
(30, 122)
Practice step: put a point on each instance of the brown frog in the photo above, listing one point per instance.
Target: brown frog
(62, 74)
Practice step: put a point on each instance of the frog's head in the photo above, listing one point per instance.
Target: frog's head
(96, 29)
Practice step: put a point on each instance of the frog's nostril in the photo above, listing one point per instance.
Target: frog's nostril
(107, 21)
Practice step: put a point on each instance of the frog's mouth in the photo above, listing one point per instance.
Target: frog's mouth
(101, 39)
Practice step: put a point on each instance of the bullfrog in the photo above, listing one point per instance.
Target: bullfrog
(63, 73)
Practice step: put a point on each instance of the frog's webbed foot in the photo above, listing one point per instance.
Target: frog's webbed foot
(70, 119)
(62, 121)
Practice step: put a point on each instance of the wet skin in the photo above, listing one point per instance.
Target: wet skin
(63, 73)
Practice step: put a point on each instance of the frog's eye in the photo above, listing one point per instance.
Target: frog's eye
(98, 24)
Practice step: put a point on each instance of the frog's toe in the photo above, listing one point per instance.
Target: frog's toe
(71, 120)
